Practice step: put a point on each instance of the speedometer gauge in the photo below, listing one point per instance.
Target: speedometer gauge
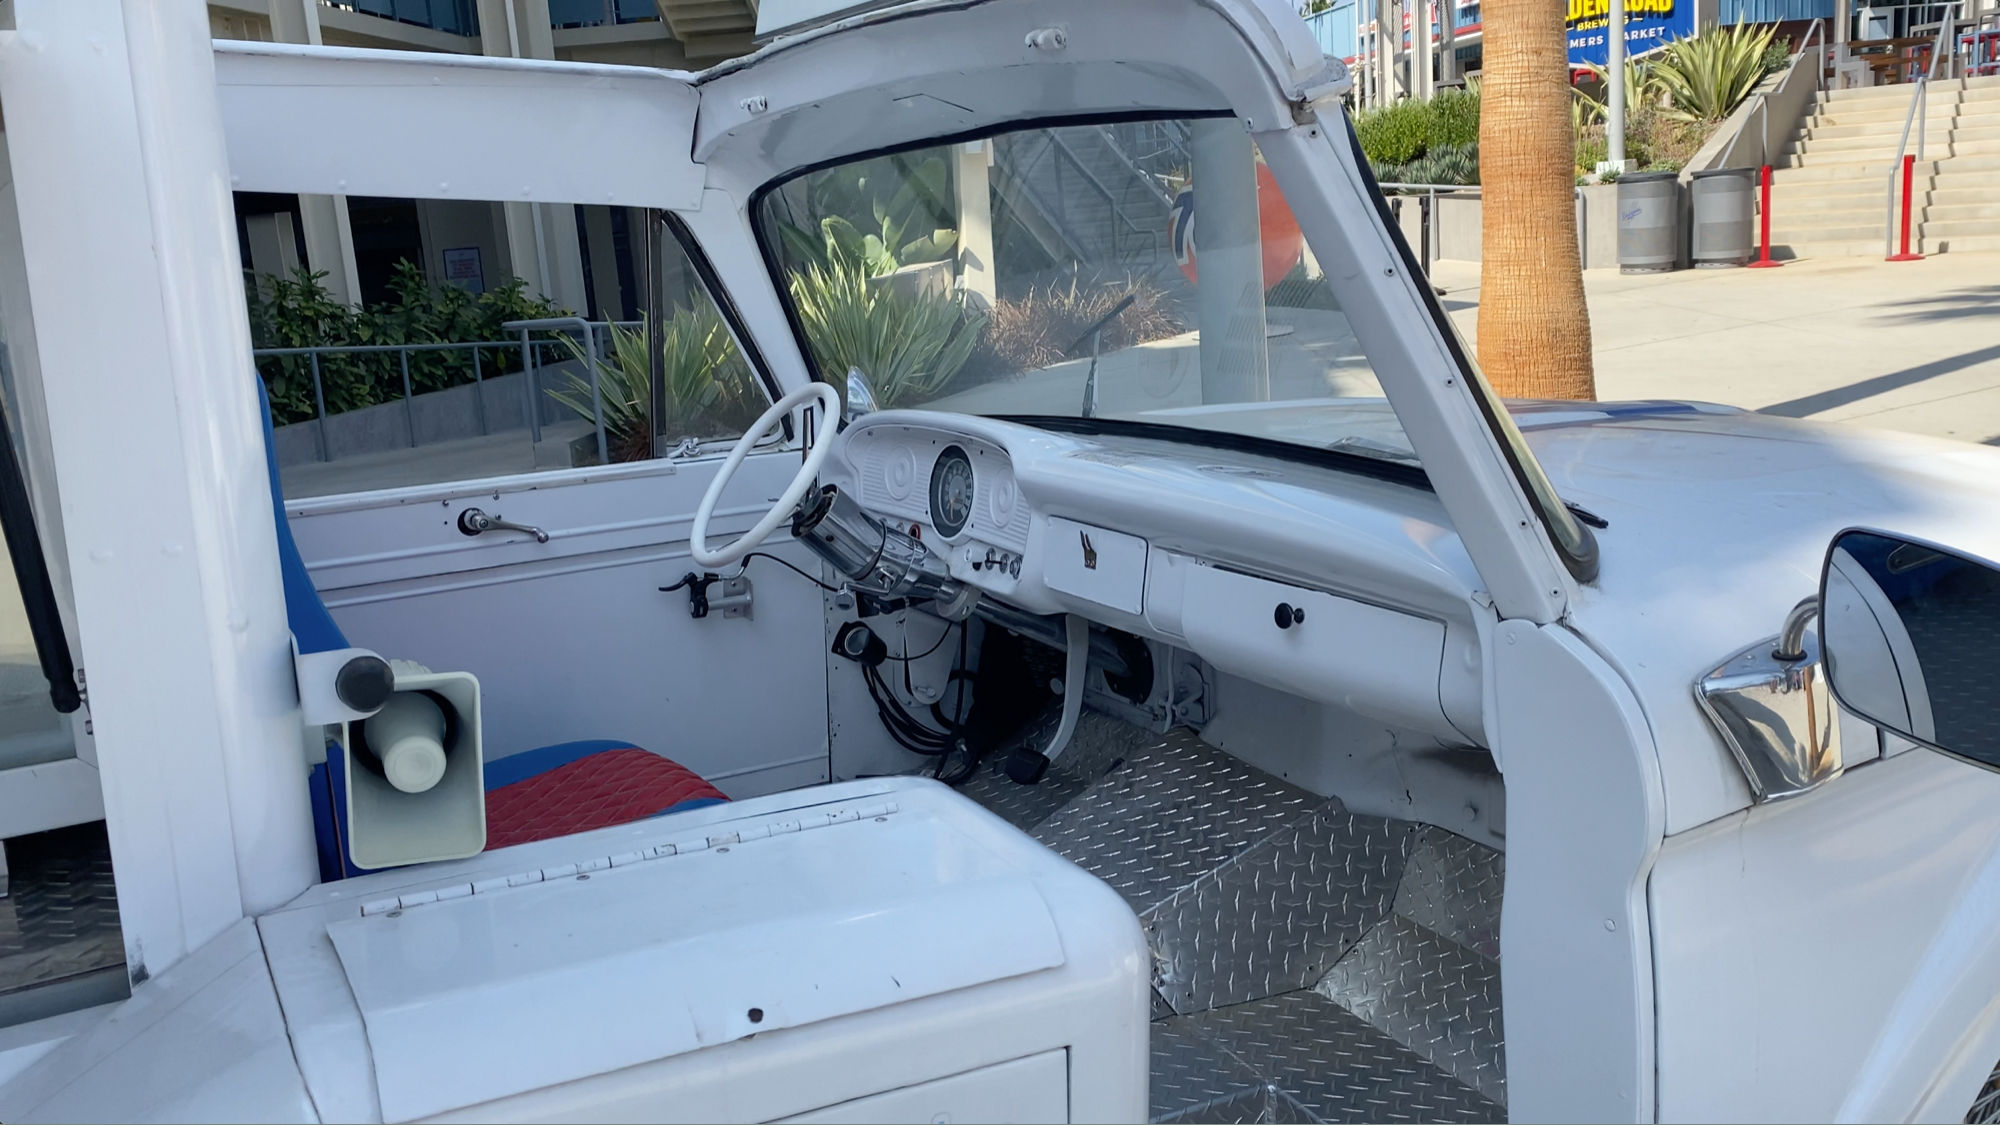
(951, 492)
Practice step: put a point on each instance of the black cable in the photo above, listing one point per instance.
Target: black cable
(942, 637)
(790, 567)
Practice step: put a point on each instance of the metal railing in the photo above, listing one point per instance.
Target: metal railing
(601, 13)
(531, 364)
(1945, 45)
(1822, 64)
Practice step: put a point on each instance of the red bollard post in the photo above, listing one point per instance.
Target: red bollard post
(1764, 261)
(1909, 178)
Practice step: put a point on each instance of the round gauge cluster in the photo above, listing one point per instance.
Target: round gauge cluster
(951, 492)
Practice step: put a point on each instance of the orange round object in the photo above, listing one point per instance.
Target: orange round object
(1283, 242)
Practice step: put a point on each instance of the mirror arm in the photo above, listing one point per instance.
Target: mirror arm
(1792, 637)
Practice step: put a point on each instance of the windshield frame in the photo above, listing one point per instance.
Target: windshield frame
(1574, 544)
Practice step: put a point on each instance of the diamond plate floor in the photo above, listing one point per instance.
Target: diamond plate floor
(59, 921)
(1309, 964)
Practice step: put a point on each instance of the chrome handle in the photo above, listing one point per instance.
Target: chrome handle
(472, 521)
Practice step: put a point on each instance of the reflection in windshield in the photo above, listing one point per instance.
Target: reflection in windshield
(1147, 271)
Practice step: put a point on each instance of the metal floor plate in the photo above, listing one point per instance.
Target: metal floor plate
(1310, 965)
(59, 921)
(1335, 1067)
(1173, 811)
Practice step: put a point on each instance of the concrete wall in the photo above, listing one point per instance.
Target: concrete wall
(1456, 233)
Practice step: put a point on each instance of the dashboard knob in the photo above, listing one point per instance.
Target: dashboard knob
(1288, 615)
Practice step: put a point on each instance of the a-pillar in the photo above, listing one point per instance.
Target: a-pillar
(323, 219)
(972, 180)
(542, 245)
(1229, 263)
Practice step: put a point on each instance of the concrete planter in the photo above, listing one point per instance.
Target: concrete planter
(1456, 226)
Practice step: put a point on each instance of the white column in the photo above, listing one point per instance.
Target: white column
(1614, 75)
(542, 245)
(972, 180)
(1447, 40)
(179, 602)
(1422, 52)
(1391, 38)
(1229, 263)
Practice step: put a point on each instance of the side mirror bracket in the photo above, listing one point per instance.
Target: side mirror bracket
(1771, 704)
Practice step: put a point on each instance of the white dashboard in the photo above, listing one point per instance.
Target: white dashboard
(1328, 585)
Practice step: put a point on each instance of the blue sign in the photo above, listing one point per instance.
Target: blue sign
(1649, 25)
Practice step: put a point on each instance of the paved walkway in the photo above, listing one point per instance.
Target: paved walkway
(1901, 345)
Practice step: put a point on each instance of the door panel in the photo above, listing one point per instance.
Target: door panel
(572, 639)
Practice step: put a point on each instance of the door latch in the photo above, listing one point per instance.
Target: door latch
(734, 600)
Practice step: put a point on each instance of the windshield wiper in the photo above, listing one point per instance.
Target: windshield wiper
(1094, 335)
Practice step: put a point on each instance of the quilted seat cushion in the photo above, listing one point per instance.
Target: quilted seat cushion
(595, 788)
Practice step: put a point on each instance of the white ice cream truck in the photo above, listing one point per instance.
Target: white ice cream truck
(996, 641)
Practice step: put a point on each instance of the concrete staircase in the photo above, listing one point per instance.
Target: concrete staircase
(1829, 192)
(1090, 193)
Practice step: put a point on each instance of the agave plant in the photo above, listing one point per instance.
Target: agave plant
(1708, 76)
(1642, 84)
(909, 343)
(706, 382)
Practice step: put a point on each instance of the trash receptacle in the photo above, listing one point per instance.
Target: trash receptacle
(1649, 220)
(1724, 216)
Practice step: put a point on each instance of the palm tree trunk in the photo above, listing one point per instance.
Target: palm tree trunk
(1534, 329)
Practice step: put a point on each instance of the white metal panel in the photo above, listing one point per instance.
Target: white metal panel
(343, 121)
(179, 605)
(1093, 1004)
(681, 952)
(573, 639)
(203, 1042)
(51, 795)
(1584, 820)
(1834, 957)
(1034, 1089)
(1093, 563)
(1367, 659)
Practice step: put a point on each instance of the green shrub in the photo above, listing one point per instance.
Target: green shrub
(908, 344)
(709, 392)
(298, 312)
(1396, 133)
(1591, 150)
(1446, 164)
(1708, 76)
(1454, 119)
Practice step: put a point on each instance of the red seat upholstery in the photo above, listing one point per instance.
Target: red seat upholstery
(596, 790)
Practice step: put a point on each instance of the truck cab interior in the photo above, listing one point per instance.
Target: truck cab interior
(1027, 414)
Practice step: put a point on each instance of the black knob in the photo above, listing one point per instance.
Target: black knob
(1288, 615)
(364, 683)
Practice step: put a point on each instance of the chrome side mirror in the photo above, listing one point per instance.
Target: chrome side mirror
(860, 396)
(1911, 632)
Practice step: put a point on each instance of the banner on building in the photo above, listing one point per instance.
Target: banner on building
(1649, 25)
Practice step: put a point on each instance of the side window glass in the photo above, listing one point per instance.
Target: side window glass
(406, 342)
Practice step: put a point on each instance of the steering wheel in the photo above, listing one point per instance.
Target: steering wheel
(829, 404)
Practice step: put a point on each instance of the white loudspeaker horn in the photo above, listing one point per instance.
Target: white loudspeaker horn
(416, 788)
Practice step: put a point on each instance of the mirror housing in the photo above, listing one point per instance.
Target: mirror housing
(860, 396)
(1910, 632)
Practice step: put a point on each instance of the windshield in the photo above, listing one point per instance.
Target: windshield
(1144, 271)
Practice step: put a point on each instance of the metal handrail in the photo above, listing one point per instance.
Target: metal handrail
(1819, 72)
(1919, 107)
(589, 333)
(1919, 115)
(314, 354)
